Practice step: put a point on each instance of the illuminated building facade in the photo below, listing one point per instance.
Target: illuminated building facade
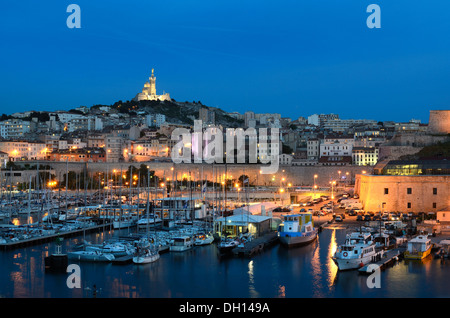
(406, 186)
(149, 91)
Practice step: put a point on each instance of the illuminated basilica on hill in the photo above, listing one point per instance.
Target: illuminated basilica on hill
(149, 91)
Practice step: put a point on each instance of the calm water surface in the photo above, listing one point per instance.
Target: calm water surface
(306, 272)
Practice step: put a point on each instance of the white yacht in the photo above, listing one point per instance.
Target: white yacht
(357, 251)
(181, 244)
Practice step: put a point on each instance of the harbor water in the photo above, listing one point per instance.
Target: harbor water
(277, 272)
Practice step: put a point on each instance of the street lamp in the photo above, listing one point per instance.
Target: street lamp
(315, 186)
(332, 189)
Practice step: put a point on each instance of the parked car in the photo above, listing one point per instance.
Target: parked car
(338, 218)
(359, 218)
(367, 217)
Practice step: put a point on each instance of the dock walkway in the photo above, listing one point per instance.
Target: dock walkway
(388, 258)
(51, 237)
(256, 245)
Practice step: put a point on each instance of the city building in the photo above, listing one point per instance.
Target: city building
(78, 155)
(364, 156)
(24, 150)
(15, 128)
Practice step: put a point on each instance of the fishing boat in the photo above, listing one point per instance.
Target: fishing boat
(181, 243)
(358, 250)
(418, 247)
(203, 239)
(92, 256)
(297, 230)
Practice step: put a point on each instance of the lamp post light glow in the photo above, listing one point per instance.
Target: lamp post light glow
(315, 186)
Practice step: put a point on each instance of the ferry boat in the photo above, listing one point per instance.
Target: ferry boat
(181, 244)
(418, 248)
(357, 251)
(297, 230)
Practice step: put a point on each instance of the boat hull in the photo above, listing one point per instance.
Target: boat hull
(90, 257)
(352, 263)
(123, 224)
(145, 259)
(418, 255)
(180, 248)
(289, 240)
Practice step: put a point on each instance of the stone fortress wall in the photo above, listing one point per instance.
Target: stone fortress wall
(439, 122)
(295, 175)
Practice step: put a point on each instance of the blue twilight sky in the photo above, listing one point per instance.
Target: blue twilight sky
(294, 57)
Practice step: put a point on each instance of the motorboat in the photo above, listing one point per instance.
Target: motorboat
(181, 243)
(203, 239)
(443, 249)
(418, 247)
(125, 221)
(92, 256)
(358, 250)
(117, 249)
(151, 221)
(297, 230)
(227, 244)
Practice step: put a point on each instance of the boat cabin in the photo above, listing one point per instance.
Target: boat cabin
(302, 222)
(420, 243)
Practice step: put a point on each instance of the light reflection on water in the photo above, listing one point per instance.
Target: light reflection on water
(303, 272)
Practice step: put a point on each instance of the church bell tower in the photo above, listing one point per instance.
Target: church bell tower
(152, 80)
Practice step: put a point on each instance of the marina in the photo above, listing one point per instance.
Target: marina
(138, 238)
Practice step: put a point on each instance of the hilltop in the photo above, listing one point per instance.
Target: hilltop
(175, 112)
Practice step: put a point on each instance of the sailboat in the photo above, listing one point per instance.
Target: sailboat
(145, 251)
